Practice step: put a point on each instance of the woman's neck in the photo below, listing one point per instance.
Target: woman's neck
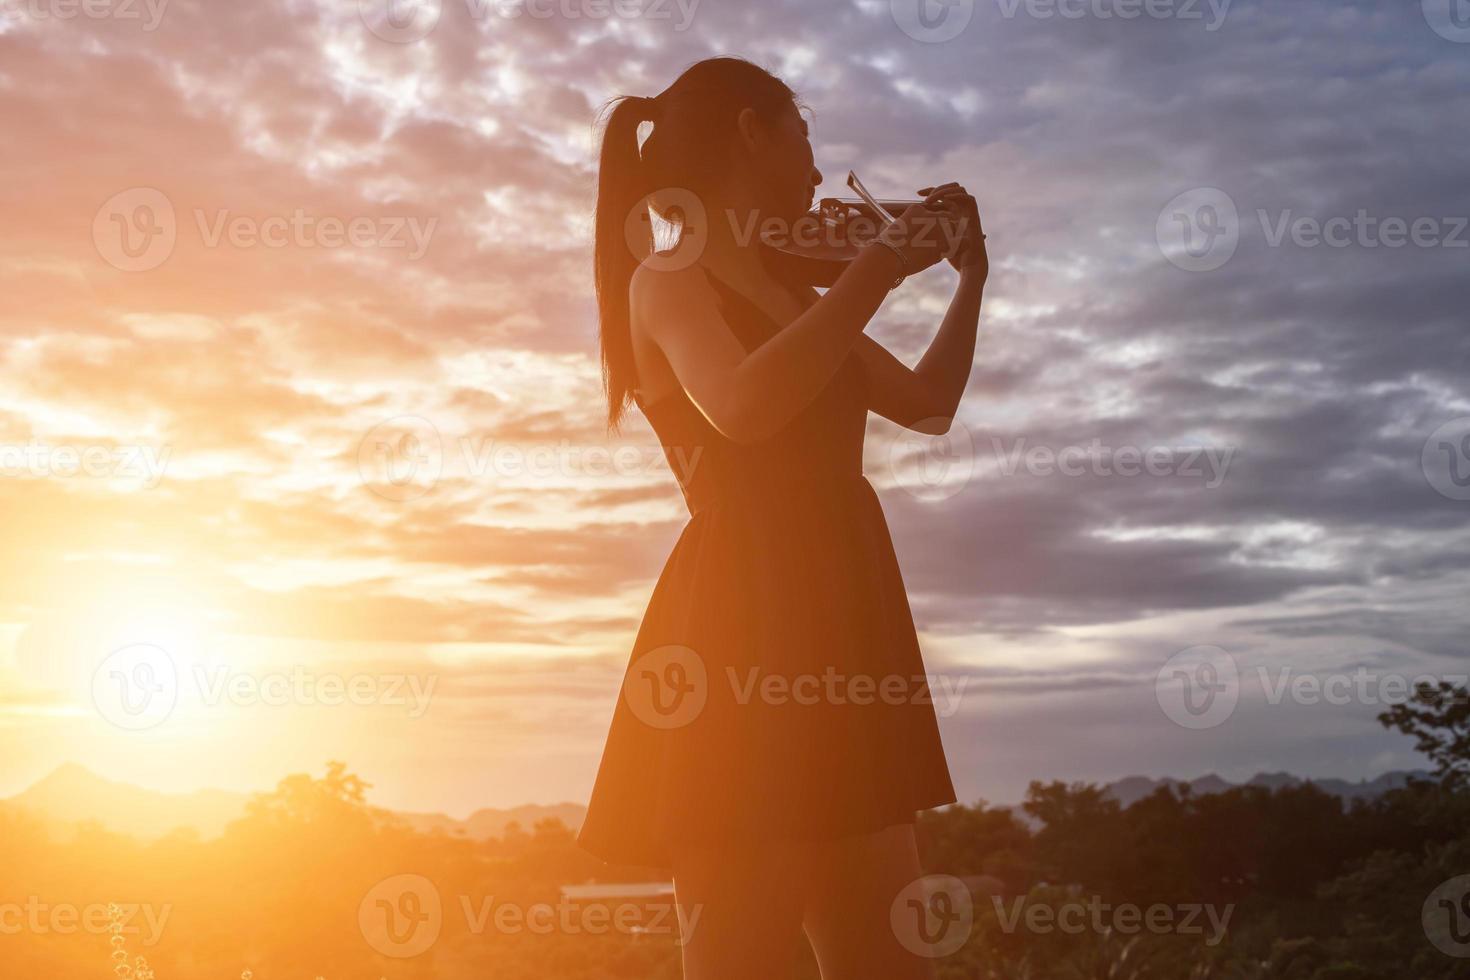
(731, 248)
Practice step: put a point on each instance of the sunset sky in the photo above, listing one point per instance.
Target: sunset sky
(251, 251)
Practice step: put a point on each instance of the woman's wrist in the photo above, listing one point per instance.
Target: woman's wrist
(896, 259)
(973, 276)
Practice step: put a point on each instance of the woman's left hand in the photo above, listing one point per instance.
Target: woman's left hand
(970, 257)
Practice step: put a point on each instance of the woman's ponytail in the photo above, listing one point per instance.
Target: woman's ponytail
(617, 251)
(694, 122)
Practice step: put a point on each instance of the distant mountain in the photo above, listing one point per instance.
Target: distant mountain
(1134, 788)
(72, 794)
(492, 823)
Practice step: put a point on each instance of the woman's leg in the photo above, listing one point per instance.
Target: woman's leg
(739, 911)
(853, 884)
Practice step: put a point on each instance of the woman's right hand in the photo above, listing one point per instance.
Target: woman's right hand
(926, 233)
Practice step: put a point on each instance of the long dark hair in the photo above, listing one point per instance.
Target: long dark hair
(693, 126)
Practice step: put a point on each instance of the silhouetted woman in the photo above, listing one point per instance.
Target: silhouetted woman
(774, 735)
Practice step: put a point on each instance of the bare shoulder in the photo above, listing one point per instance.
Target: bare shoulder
(657, 292)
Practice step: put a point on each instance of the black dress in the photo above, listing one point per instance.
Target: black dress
(775, 689)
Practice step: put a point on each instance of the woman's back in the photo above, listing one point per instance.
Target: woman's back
(823, 443)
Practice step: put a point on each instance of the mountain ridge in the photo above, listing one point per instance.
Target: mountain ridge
(72, 794)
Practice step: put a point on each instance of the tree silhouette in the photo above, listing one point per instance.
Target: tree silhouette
(1438, 716)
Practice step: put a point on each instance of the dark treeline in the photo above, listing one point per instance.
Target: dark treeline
(1249, 884)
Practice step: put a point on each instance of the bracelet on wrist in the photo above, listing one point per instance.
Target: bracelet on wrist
(903, 263)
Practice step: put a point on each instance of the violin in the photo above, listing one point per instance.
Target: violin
(821, 243)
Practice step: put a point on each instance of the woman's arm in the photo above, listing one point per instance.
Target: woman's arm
(749, 396)
(926, 397)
